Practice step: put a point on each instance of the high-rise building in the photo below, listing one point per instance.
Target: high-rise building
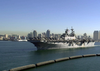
(85, 36)
(99, 35)
(95, 35)
(44, 34)
(30, 35)
(6, 36)
(22, 37)
(82, 37)
(48, 33)
(34, 33)
(53, 35)
(18, 36)
(39, 35)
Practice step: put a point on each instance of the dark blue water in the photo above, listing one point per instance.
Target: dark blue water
(15, 54)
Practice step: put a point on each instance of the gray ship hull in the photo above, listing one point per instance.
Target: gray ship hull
(42, 45)
(50, 45)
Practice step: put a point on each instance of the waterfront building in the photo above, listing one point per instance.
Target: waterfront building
(95, 35)
(6, 36)
(43, 34)
(22, 37)
(1, 38)
(9, 36)
(82, 37)
(53, 35)
(48, 33)
(34, 33)
(18, 37)
(30, 35)
(56, 36)
(39, 35)
(85, 36)
(98, 35)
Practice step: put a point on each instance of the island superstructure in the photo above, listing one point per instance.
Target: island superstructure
(66, 41)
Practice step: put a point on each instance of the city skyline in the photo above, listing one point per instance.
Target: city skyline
(46, 34)
(69, 32)
(23, 16)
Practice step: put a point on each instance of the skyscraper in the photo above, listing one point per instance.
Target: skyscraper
(34, 33)
(53, 35)
(6, 36)
(95, 35)
(18, 37)
(99, 35)
(30, 35)
(84, 35)
(39, 35)
(44, 34)
(48, 33)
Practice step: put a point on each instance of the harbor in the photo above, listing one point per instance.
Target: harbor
(50, 62)
(49, 35)
(25, 53)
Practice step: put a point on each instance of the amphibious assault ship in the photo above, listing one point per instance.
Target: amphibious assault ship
(66, 41)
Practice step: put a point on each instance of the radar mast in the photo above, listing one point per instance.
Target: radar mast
(66, 32)
(72, 34)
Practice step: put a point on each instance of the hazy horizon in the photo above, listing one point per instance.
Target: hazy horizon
(23, 16)
(23, 33)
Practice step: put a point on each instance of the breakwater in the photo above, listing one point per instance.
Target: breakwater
(51, 61)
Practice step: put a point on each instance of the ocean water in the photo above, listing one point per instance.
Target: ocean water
(15, 54)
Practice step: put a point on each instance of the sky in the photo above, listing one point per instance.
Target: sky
(23, 16)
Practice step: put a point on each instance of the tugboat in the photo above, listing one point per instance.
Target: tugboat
(66, 41)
